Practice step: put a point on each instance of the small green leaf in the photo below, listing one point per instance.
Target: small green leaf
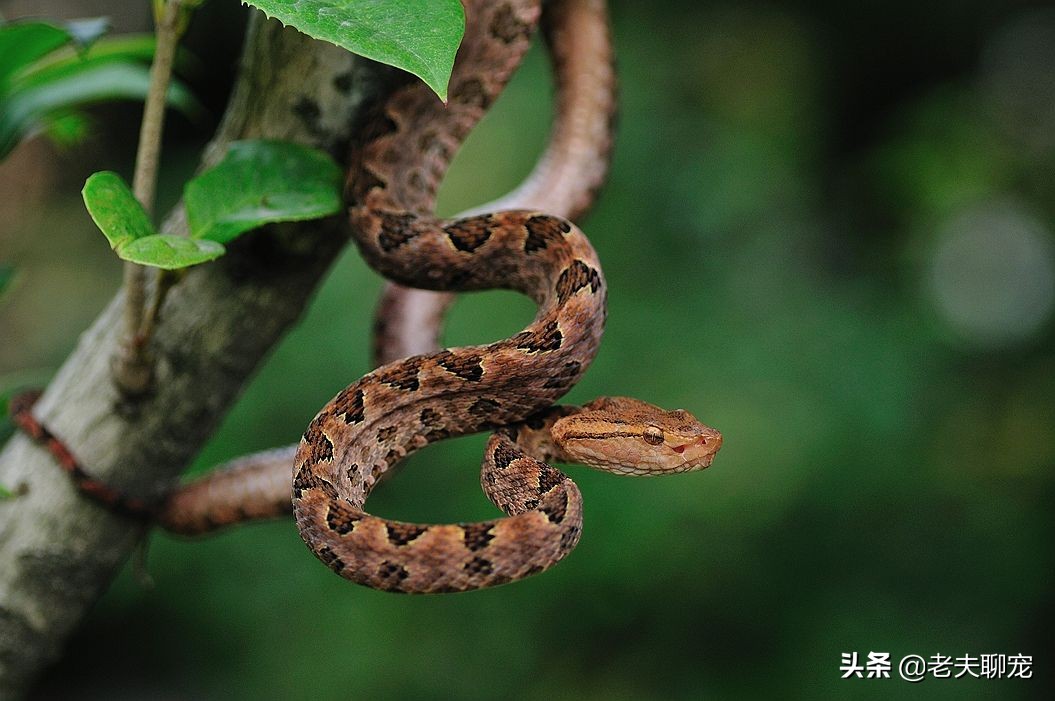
(259, 182)
(67, 129)
(115, 210)
(5, 493)
(127, 227)
(420, 36)
(169, 252)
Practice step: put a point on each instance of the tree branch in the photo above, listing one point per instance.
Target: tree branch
(59, 551)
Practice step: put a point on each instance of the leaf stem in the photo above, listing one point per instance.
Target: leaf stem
(133, 366)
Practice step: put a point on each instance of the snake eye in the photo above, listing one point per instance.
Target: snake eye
(653, 435)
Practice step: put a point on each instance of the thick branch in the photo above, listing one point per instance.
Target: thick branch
(59, 551)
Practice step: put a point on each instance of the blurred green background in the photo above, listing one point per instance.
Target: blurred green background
(828, 233)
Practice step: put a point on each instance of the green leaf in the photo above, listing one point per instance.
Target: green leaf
(170, 252)
(22, 43)
(46, 71)
(420, 36)
(125, 224)
(115, 210)
(135, 48)
(5, 493)
(66, 129)
(259, 182)
(26, 111)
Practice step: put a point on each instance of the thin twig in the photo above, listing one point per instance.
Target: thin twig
(133, 367)
(164, 282)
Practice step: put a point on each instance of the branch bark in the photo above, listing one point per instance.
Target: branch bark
(59, 551)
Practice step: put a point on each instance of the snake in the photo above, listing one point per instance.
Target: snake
(509, 387)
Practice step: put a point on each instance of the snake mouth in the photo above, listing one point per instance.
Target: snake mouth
(699, 442)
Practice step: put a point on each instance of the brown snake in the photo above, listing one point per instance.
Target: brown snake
(509, 385)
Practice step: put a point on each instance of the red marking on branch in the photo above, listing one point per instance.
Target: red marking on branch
(21, 409)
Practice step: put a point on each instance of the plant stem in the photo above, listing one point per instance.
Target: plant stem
(164, 281)
(133, 367)
(144, 181)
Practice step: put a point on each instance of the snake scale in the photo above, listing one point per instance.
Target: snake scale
(508, 386)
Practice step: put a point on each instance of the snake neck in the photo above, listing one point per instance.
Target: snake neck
(408, 140)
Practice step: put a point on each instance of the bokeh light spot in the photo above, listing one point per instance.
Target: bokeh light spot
(992, 274)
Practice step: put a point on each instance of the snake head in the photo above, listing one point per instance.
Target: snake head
(629, 436)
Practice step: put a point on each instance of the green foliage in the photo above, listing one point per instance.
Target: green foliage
(419, 36)
(170, 252)
(67, 129)
(22, 44)
(115, 210)
(125, 224)
(133, 48)
(259, 182)
(47, 72)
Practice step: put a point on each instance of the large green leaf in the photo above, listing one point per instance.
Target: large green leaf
(420, 36)
(47, 71)
(259, 182)
(136, 48)
(22, 43)
(27, 111)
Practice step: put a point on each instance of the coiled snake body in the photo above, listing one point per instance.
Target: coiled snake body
(400, 407)
(509, 385)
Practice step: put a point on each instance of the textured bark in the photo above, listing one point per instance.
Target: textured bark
(59, 551)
